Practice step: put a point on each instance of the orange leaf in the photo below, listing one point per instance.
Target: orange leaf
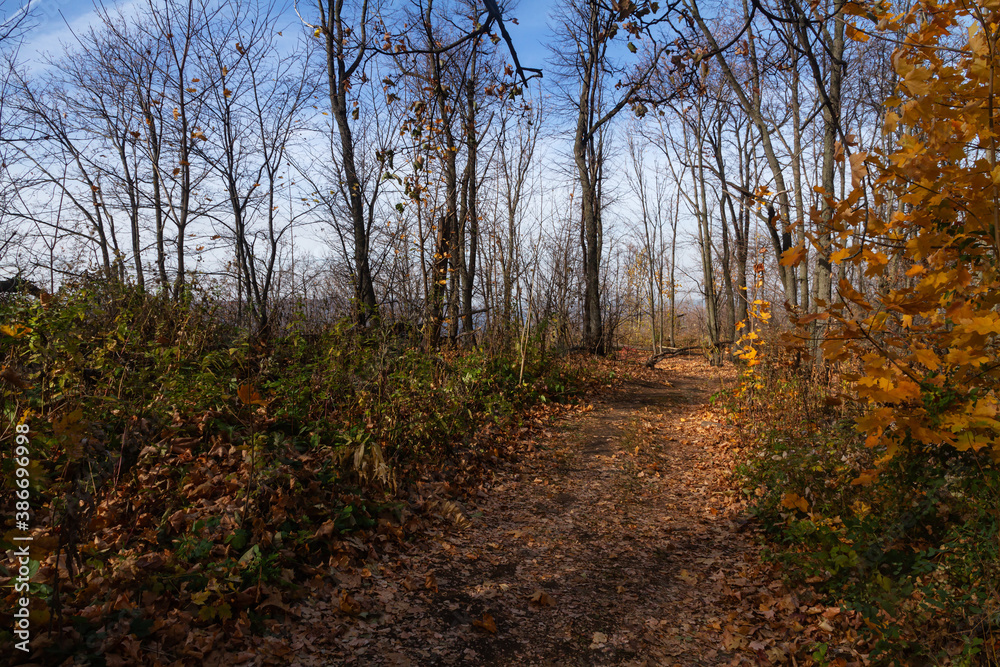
(841, 255)
(865, 478)
(793, 256)
(795, 501)
(249, 396)
(855, 34)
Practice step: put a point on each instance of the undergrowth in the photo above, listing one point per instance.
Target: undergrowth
(915, 550)
(187, 480)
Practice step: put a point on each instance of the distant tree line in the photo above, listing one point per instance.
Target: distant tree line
(391, 157)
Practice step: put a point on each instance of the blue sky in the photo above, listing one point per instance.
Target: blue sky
(55, 20)
(532, 34)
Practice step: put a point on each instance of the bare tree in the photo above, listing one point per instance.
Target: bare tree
(59, 166)
(520, 125)
(587, 72)
(749, 90)
(650, 238)
(254, 103)
(108, 85)
(15, 21)
(346, 40)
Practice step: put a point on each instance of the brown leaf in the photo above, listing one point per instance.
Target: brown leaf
(831, 612)
(274, 600)
(732, 638)
(183, 445)
(12, 378)
(326, 530)
(249, 396)
(430, 583)
(858, 168)
(542, 598)
(349, 605)
(178, 520)
(487, 623)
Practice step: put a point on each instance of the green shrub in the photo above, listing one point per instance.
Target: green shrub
(915, 550)
(178, 457)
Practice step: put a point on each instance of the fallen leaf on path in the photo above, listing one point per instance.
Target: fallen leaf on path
(487, 624)
(732, 639)
(598, 640)
(349, 605)
(687, 578)
(542, 598)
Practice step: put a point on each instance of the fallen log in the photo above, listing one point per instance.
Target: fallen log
(668, 352)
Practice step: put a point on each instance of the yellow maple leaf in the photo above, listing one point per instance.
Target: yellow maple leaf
(927, 358)
(840, 255)
(855, 34)
(984, 324)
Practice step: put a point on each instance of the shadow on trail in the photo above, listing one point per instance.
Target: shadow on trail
(609, 542)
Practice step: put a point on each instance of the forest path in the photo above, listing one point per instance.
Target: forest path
(616, 540)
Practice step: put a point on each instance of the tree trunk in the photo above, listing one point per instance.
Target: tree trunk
(340, 66)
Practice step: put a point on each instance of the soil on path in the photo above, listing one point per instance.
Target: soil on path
(615, 540)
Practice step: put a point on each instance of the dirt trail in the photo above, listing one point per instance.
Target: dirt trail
(615, 542)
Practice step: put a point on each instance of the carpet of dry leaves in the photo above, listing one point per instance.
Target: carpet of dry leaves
(614, 536)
